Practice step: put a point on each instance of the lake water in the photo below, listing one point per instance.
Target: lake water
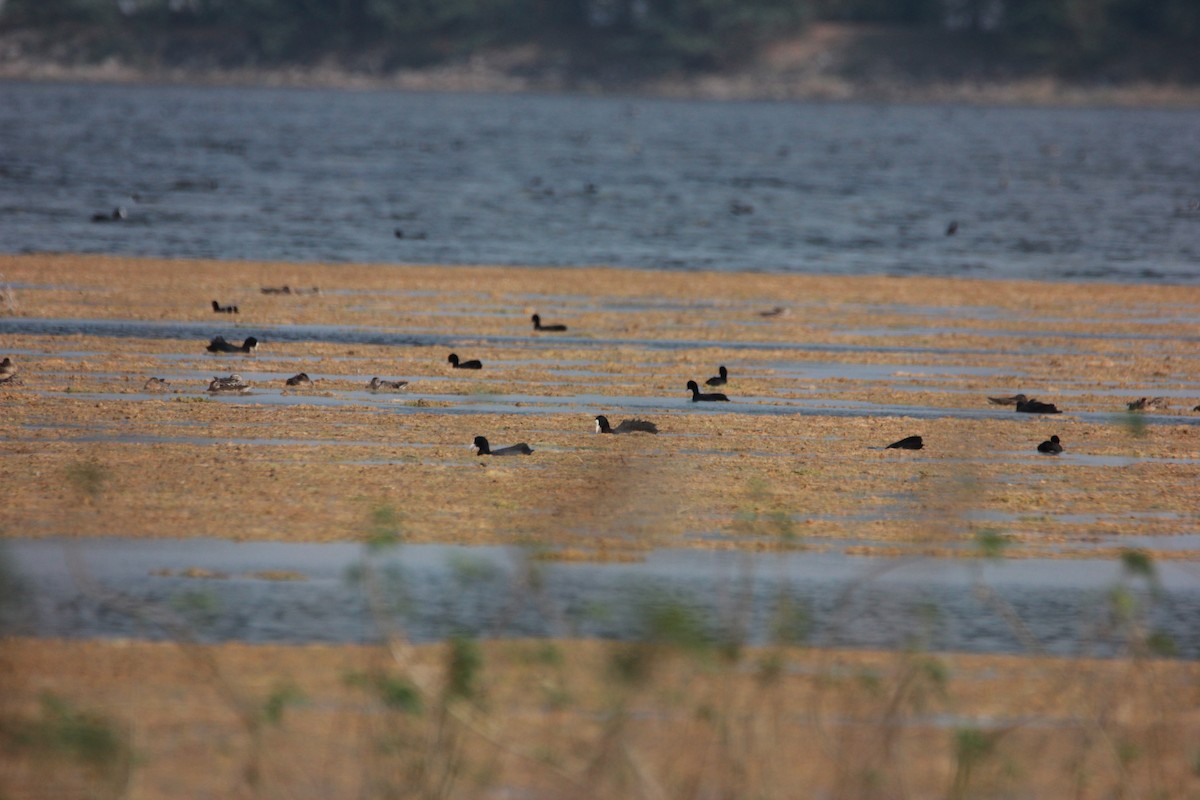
(308, 175)
(782, 187)
(223, 590)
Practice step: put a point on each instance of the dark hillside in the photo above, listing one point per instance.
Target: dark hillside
(740, 47)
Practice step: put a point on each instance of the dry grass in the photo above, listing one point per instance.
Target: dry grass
(675, 717)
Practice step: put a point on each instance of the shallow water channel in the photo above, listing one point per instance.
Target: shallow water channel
(217, 590)
(795, 371)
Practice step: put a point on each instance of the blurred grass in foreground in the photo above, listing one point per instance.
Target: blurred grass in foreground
(671, 718)
(687, 709)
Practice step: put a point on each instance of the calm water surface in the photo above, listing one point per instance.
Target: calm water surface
(783, 187)
(140, 588)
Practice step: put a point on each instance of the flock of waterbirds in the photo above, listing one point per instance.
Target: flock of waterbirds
(235, 384)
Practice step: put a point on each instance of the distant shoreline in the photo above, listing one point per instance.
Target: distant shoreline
(825, 64)
(741, 87)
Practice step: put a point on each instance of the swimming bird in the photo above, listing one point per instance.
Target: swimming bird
(220, 309)
(472, 364)
(719, 380)
(8, 370)
(1026, 405)
(116, 215)
(299, 379)
(480, 445)
(286, 289)
(377, 385)
(1146, 403)
(777, 311)
(952, 228)
(156, 385)
(232, 383)
(697, 397)
(1032, 406)
(626, 426)
(1053, 446)
(219, 345)
(907, 443)
(1011, 400)
(538, 326)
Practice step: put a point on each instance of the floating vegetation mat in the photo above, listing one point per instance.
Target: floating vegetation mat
(823, 373)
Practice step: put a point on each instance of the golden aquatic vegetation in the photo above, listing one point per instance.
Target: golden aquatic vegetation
(86, 450)
(177, 465)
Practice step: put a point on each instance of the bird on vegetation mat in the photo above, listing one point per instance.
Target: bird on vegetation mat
(1032, 406)
(538, 326)
(219, 345)
(699, 397)
(626, 426)
(1026, 405)
(1149, 403)
(481, 447)
(376, 385)
(472, 364)
(1052, 446)
(719, 379)
(232, 383)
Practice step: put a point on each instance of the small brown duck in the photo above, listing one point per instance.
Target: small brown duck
(376, 385)
(299, 379)
(1149, 404)
(232, 384)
